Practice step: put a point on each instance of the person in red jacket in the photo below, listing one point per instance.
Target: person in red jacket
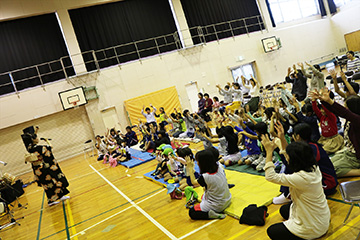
(330, 139)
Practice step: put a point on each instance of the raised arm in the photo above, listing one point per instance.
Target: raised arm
(243, 82)
(336, 86)
(334, 107)
(347, 84)
(316, 109)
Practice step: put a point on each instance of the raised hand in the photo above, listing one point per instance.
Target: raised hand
(280, 129)
(300, 65)
(332, 73)
(189, 162)
(269, 146)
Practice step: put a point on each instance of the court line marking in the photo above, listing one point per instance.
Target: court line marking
(66, 224)
(71, 219)
(157, 224)
(344, 228)
(100, 214)
(198, 229)
(249, 228)
(83, 231)
(41, 212)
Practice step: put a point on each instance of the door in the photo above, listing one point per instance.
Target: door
(111, 119)
(192, 92)
(353, 41)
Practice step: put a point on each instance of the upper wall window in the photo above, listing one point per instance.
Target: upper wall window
(289, 10)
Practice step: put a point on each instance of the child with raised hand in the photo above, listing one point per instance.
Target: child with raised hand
(216, 196)
(182, 154)
(330, 139)
(346, 161)
(253, 150)
(233, 151)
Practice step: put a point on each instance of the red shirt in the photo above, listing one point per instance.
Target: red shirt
(208, 103)
(327, 123)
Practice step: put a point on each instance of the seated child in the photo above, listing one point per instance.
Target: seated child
(253, 150)
(182, 154)
(125, 152)
(234, 153)
(101, 147)
(130, 137)
(330, 139)
(216, 196)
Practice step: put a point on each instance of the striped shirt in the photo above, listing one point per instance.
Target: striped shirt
(353, 65)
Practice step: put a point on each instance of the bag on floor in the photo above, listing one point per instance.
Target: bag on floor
(254, 215)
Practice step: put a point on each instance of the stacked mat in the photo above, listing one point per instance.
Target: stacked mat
(137, 158)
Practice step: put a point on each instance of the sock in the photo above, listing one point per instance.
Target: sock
(213, 215)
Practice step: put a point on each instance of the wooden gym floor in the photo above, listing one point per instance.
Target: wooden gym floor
(116, 203)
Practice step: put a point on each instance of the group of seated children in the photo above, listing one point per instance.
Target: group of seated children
(114, 147)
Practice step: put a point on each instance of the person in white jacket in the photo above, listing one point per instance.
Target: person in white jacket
(308, 216)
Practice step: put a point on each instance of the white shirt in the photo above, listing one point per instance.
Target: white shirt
(149, 117)
(227, 95)
(254, 91)
(237, 93)
(309, 212)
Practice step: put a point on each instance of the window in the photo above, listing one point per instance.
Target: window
(289, 10)
(340, 3)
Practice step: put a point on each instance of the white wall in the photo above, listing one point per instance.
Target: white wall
(208, 64)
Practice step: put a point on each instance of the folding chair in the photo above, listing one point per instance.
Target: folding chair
(89, 147)
(350, 192)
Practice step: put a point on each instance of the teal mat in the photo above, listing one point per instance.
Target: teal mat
(245, 169)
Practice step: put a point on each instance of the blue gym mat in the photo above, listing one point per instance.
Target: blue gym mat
(137, 158)
(161, 180)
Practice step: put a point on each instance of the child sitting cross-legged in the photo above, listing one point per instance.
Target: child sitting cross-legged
(216, 196)
(182, 154)
(330, 139)
(251, 145)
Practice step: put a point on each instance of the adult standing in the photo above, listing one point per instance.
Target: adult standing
(316, 77)
(207, 107)
(201, 102)
(46, 169)
(254, 93)
(298, 80)
(150, 116)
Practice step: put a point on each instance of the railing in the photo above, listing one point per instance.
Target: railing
(94, 60)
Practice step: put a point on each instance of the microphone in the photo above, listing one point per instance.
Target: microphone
(4, 163)
(45, 139)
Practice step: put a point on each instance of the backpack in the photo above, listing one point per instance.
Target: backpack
(254, 215)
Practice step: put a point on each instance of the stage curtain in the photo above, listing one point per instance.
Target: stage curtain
(108, 25)
(207, 12)
(29, 41)
(332, 7)
(167, 98)
(270, 13)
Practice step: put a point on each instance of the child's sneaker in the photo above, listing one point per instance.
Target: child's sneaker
(261, 165)
(257, 161)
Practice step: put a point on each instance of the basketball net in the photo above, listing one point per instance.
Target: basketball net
(75, 104)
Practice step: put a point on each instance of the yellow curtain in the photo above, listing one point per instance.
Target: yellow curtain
(167, 98)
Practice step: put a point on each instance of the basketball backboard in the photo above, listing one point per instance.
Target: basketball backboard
(270, 44)
(72, 98)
